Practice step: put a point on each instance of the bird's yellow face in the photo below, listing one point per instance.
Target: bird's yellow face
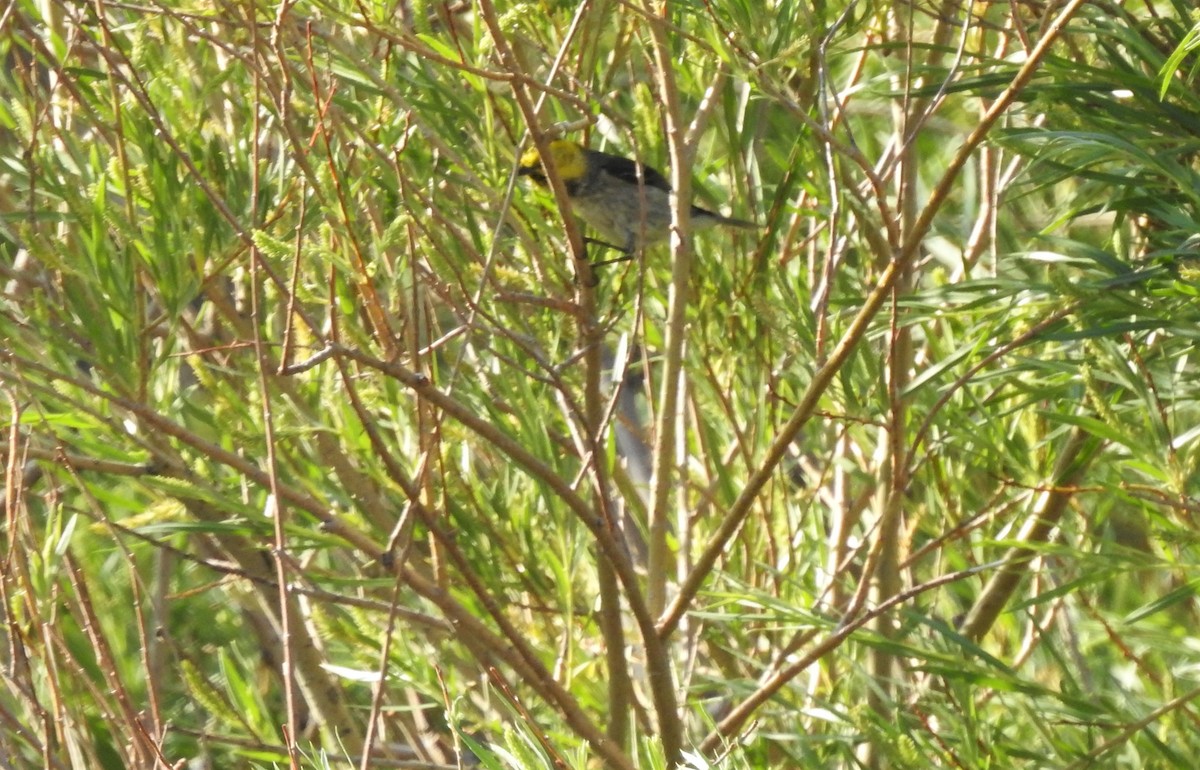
(566, 156)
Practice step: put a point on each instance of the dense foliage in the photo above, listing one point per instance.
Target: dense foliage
(325, 439)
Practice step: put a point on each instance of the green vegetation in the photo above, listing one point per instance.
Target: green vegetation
(315, 450)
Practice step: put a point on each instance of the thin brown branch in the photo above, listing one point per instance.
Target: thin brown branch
(824, 376)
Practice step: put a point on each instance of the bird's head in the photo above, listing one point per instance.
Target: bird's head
(568, 158)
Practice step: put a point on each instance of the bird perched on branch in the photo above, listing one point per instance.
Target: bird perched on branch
(626, 203)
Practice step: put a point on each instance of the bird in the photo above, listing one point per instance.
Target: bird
(627, 203)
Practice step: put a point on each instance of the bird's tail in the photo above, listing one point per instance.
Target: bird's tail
(708, 218)
(740, 223)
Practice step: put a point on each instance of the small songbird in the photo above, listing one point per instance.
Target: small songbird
(628, 204)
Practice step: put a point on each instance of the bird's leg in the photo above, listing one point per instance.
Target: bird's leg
(625, 257)
(626, 253)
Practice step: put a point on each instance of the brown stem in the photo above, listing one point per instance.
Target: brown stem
(825, 375)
